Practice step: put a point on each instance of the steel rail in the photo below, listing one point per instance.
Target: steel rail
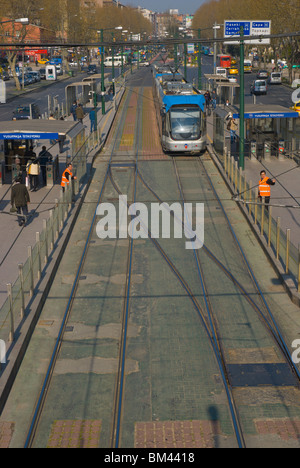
(116, 426)
(275, 331)
(220, 355)
(47, 380)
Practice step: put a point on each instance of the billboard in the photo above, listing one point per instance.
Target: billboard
(251, 28)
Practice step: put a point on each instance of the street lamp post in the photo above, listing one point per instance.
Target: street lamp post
(101, 31)
(242, 101)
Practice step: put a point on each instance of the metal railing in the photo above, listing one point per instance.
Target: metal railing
(261, 215)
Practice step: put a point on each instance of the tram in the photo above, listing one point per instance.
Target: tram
(180, 112)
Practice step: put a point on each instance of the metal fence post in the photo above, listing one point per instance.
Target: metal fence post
(287, 257)
(11, 315)
(277, 238)
(30, 270)
(21, 276)
(37, 234)
(270, 226)
(298, 268)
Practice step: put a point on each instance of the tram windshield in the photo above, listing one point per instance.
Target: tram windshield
(185, 123)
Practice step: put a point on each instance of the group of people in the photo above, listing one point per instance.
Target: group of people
(36, 166)
(210, 99)
(20, 198)
(77, 112)
(78, 115)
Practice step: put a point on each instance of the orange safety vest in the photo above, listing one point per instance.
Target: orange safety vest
(264, 188)
(64, 181)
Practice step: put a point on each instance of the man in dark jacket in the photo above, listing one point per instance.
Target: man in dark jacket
(20, 199)
(44, 158)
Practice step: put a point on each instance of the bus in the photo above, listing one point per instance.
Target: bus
(224, 61)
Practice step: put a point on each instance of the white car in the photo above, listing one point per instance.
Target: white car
(145, 63)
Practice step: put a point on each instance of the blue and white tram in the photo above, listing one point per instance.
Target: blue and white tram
(180, 110)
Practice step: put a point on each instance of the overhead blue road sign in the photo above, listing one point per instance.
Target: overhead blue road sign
(233, 28)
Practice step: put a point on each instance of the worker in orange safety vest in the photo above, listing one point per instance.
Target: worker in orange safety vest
(264, 189)
(67, 176)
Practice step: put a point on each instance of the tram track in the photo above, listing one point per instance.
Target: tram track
(55, 354)
(124, 174)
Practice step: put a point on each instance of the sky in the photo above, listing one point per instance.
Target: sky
(184, 6)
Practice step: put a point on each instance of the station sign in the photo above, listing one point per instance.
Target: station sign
(251, 28)
(28, 136)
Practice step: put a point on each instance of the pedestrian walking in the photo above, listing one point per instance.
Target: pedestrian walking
(44, 158)
(20, 200)
(264, 189)
(79, 113)
(67, 176)
(73, 110)
(93, 121)
(34, 171)
(28, 181)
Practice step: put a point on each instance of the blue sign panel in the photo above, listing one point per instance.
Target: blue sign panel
(232, 28)
(28, 136)
(267, 115)
(261, 24)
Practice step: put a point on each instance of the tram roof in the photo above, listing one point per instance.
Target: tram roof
(175, 100)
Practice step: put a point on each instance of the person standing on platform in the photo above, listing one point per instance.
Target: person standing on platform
(67, 176)
(20, 200)
(44, 158)
(34, 171)
(73, 110)
(264, 189)
(93, 117)
(79, 113)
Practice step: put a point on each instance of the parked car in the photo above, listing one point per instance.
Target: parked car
(262, 74)
(258, 87)
(43, 61)
(30, 78)
(4, 75)
(23, 112)
(43, 73)
(92, 69)
(35, 75)
(59, 70)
